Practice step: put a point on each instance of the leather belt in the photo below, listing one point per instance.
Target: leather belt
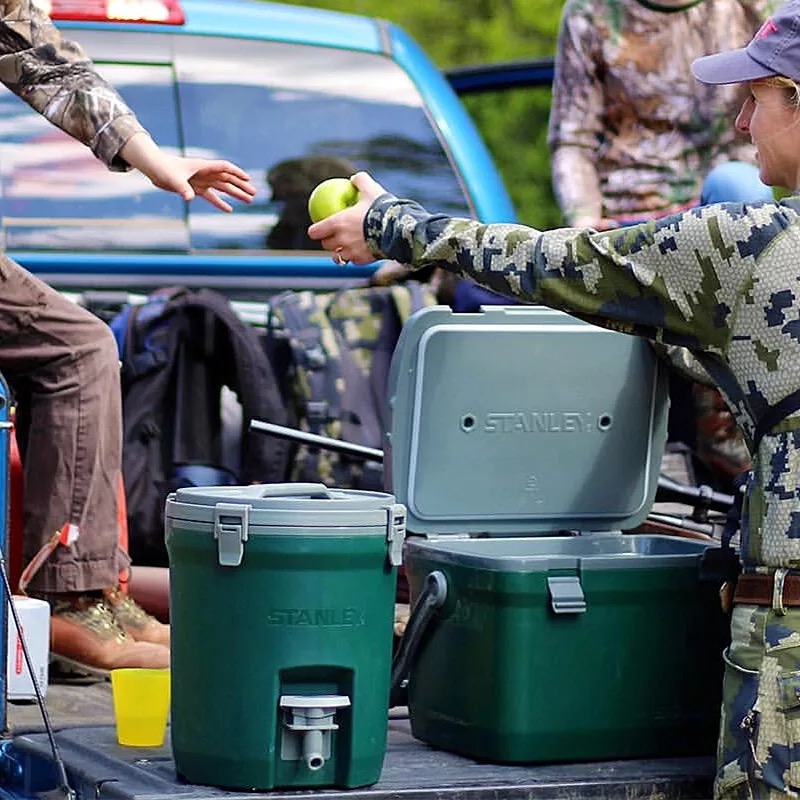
(757, 590)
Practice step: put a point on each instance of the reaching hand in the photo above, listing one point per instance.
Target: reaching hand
(188, 177)
(343, 233)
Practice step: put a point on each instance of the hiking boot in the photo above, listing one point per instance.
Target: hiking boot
(135, 621)
(87, 641)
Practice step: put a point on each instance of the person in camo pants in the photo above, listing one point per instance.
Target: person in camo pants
(722, 280)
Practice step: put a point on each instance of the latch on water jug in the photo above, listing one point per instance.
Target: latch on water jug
(308, 723)
(396, 532)
(231, 522)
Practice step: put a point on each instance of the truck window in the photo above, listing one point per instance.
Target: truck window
(293, 115)
(57, 196)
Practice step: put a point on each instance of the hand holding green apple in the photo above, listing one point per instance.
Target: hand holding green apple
(341, 208)
(331, 196)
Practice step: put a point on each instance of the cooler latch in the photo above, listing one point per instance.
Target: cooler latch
(396, 532)
(230, 530)
(566, 594)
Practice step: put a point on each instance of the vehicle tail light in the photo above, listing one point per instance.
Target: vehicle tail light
(167, 12)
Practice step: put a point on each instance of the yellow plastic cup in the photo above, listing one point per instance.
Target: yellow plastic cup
(141, 706)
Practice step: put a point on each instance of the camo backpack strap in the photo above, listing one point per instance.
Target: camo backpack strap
(355, 316)
(406, 299)
(775, 415)
(410, 297)
(314, 367)
(327, 390)
(341, 346)
(369, 319)
(724, 561)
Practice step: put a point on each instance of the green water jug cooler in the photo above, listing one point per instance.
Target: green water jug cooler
(282, 610)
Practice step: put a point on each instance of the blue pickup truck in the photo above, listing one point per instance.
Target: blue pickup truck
(291, 94)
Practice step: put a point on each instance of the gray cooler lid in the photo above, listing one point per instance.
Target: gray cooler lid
(234, 513)
(286, 505)
(522, 420)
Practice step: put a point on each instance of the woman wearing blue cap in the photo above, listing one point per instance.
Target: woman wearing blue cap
(722, 280)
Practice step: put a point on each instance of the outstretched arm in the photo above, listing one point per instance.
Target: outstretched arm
(57, 79)
(188, 177)
(679, 279)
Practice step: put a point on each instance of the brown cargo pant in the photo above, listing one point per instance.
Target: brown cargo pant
(62, 365)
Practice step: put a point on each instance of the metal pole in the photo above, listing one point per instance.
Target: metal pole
(315, 440)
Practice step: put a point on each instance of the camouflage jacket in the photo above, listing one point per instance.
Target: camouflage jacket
(631, 130)
(721, 280)
(57, 79)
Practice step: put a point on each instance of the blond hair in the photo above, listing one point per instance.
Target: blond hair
(791, 88)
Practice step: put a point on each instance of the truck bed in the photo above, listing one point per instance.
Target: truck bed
(99, 768)
(83, 719)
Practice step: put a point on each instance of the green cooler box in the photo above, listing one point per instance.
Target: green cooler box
(523, 442)
(282, 612)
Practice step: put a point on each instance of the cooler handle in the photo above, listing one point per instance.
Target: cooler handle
(428, 603)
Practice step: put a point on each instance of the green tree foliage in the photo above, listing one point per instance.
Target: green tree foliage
(514, 123)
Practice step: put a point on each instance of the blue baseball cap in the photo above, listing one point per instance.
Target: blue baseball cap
(774, 50)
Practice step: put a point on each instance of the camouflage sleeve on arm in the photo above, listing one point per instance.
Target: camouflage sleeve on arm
(57, 79)
(679, 279)
(576, 121)
(576, 185)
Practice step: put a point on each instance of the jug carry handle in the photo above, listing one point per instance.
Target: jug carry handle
(312, 490)
(232, 520)
(428, 603)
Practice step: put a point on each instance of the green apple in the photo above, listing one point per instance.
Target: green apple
(331, 196)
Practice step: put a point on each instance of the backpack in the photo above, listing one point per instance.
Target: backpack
(333, 352)
(182, 353)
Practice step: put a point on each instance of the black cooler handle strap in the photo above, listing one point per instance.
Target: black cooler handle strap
(431, 599)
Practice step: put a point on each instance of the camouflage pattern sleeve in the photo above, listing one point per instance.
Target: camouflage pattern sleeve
(631, 132)
(56, 78)
(720, 280)
(634, 279)
(678, 279)
(576, 122)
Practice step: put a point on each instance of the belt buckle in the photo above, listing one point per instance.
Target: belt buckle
(726, 591)
(778, 581)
